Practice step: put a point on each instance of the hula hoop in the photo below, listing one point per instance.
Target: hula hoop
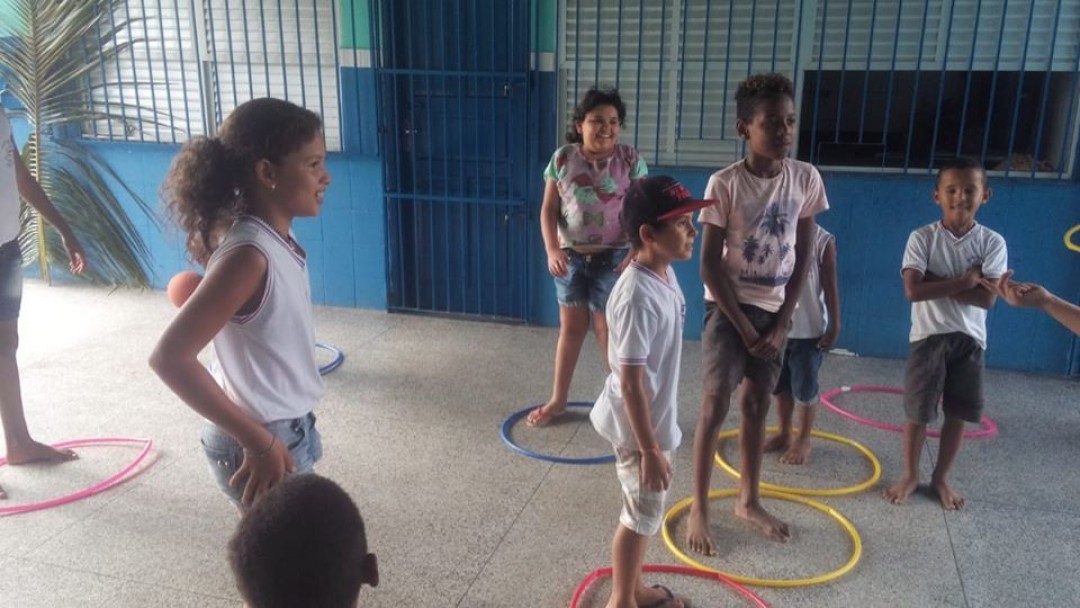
(120, 477)
(853, 489)
(989, 427)
(338, 359)
(856, 542)
(1069, 238)
(665, 569)
(509, 423)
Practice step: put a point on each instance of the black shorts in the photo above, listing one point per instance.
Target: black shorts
(946, 368)
(725, 360)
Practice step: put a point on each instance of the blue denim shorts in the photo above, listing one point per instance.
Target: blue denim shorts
(799, 376)
(589, 278)
(10, 280)
(225, 454)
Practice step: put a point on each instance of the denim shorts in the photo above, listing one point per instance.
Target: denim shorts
(799, 376)
(225, 454)
(10, 280)
(589, 278)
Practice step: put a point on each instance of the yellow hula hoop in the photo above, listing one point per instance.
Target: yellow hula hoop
(1069, 238)
(856, 542)
(859, 487)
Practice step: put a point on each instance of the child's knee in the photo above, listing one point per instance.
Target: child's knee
(714, 408)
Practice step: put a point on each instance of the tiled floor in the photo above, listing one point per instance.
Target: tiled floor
(410, 425)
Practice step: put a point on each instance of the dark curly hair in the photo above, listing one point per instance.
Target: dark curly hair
(759, 88)
(301, 544)
(594, 98)
(211, 177)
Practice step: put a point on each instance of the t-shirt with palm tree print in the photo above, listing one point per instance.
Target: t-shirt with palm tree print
(760, 216)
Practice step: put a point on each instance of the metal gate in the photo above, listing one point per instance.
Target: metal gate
(454, 116)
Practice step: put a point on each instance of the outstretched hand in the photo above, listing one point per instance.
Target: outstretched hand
(1026, 295)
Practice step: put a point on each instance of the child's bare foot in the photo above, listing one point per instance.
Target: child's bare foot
(756, 515)
(950, 500)
(35, 451)
(778, 442)
(698, 536)
(798, 453)
(898, 493)
(546, 413)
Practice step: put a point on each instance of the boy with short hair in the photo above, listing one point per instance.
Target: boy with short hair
(944, 268)
(302, 544)
(756, 245)
(638, 408)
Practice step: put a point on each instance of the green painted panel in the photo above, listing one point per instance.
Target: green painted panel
(355, 24)
(548, 14)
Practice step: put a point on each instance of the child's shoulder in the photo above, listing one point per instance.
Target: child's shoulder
(567, 150)
(989, 235)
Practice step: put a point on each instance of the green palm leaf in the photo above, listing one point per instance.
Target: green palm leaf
(45, 66)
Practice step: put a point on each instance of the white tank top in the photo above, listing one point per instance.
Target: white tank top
(9, 187)
(266, 359)
(811, 318)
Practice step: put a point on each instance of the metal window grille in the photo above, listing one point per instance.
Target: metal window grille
(193, 61)
(885, 85)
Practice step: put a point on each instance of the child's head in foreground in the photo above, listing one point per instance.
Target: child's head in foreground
(960, 190)
(656, 215)
(302, 544)
(765, 114)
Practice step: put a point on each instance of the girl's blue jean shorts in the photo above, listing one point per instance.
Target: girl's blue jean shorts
(589, 278)
(10, 280)
(225, 454)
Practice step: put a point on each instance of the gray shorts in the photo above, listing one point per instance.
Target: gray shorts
(643, 510)
(946, 368)
(225, 454)
(10, 280)
(725, 360)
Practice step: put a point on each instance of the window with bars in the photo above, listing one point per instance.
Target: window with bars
(891, 84)
(193, 61)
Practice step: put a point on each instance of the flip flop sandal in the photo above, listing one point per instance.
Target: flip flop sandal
(662, 602)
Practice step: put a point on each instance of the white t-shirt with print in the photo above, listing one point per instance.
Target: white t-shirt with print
(811, 317)
(645, 315)
(9, 188)
(934, 249)
(760, 216)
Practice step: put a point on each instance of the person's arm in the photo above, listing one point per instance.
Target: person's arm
(831, 287)
(977, 296)
(33, 194)
(919, 287)
(1031, 295)
(768, 345)
(235, 280)
(558, 261)
(655, 469)
(719, 283)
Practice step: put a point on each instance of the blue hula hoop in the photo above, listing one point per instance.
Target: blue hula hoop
(509, 423)
(339, 358)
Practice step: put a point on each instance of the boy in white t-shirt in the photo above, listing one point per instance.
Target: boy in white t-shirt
(637, 410)
(757, 241)
(16, 180)
(944, 270)
(814, 329)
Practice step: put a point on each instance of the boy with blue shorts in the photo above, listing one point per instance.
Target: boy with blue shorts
(948, 270)
(814, 328)
(16, 180)
(638, 408)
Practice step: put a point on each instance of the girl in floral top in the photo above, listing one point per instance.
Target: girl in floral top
(586, 248)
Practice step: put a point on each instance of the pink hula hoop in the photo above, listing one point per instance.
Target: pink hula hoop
(665, 569)
(989, 428)
(121, 476)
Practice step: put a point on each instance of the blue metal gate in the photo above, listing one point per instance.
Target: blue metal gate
(454, 107)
